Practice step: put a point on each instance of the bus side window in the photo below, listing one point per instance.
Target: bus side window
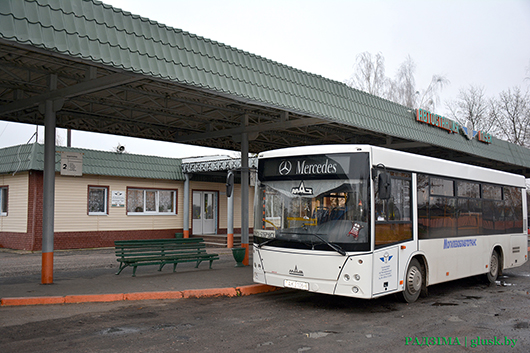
(393, 221)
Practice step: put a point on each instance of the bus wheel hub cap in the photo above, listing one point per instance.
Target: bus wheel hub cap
(414, 280)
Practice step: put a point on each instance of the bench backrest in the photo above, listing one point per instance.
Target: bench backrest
(156, 241)
(153, 247)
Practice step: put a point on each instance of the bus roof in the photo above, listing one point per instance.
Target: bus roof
(407, 161)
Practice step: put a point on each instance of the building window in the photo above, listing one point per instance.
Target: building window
(150, 201)
(98, 200)
(3, 200)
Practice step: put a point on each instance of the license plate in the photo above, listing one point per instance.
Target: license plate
(296, 284)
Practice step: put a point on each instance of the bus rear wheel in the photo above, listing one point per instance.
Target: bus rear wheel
(413, 282)
(494, 268)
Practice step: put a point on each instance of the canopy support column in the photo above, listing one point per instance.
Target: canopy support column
(48, 194)
(49, 107)
(230, 221)
(244, 196)
(186, 226)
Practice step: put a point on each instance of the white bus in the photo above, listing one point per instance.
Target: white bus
(364, 221)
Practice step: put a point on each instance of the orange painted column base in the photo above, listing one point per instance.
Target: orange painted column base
(47, 268)
(245, 260)
(230, 240)
(186, 233)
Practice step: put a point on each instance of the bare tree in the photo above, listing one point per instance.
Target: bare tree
(511, 113)
(429, 98)
(369, 74)
(59, 140)
(472, 106)
(402, 89)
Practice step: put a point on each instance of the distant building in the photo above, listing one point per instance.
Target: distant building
(101, 197)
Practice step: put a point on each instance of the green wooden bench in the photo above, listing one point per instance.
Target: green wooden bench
(161, 252)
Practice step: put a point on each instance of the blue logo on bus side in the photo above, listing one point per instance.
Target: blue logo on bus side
(386, 258)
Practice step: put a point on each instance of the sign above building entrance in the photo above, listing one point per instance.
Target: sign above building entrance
(72, 163)
(452, 127)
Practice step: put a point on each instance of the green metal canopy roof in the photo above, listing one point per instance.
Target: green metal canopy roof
(208, 87)
(31, 157)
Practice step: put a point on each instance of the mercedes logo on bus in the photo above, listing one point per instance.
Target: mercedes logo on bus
(285, 168)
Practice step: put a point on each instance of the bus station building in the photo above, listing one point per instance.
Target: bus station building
(114, 196)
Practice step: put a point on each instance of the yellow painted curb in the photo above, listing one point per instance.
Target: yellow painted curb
(31, 301)
(153, 295)
(209, 293)
(99, 298)
(93, 298)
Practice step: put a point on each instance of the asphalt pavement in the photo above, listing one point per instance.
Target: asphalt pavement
(89, 275)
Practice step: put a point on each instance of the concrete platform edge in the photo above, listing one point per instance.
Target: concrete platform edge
(100, 298)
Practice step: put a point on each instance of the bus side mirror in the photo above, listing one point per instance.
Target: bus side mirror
(229, 184)
(384, 186)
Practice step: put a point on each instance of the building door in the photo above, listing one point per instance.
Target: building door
(204, 212)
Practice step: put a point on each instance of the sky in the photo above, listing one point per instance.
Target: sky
(483, 43)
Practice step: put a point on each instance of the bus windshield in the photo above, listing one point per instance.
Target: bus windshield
(313, 214)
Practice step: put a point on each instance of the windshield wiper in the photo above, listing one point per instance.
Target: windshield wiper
(331, 245)
(335, 247)
(266, 242)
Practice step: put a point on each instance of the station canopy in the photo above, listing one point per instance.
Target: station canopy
(112, 72)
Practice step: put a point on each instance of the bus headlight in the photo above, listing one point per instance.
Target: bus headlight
(357, 277)
(346, 277)
(354, 289)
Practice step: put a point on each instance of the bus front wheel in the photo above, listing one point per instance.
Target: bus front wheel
(494, 267)
(413, 282)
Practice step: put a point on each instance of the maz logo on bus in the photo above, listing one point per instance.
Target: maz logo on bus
(304, 168)
(296, 271)
(302, 190)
